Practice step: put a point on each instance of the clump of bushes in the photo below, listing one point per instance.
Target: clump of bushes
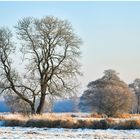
(91, 124)
(129, 124)
(14, 123)
(43, 123)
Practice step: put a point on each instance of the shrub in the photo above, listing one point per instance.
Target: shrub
(84, 124)
(43, 123)
(14, 123)
(102, 124)
(68, 124)
(129, 124)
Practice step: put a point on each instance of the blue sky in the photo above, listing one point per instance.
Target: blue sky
(110, 32)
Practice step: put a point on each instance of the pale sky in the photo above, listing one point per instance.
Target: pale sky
(110, 32)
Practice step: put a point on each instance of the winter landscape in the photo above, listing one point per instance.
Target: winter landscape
(69, 70)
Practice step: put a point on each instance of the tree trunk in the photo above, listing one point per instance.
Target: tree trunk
(138, 104)
(33, 109)
(41, 104)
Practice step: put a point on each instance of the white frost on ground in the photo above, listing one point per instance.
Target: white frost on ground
(54, 133)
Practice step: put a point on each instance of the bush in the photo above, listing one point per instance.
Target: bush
(68, 124)
(14, 123)
(129, 124)
(102, 124)
(84, 124)
(43, 123)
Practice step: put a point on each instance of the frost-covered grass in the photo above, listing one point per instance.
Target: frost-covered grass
(72, 120)
(54, 133)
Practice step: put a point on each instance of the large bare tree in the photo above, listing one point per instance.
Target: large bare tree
(108, 95)
(50, 51)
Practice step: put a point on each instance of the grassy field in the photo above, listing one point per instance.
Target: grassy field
(72, 120)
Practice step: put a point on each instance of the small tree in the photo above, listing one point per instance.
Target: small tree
(135, 86)
(108, 95)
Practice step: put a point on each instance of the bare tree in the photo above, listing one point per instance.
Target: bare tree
(51, 51)
(135, 86)
(108, 95)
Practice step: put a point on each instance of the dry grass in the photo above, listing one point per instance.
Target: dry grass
(47, 116)
(45, 120)
(95, 115)
(64, 120)
(129, 124)
(127, 116)
(121, 116)
(51, 116)
(2, 117)
(51, 120)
